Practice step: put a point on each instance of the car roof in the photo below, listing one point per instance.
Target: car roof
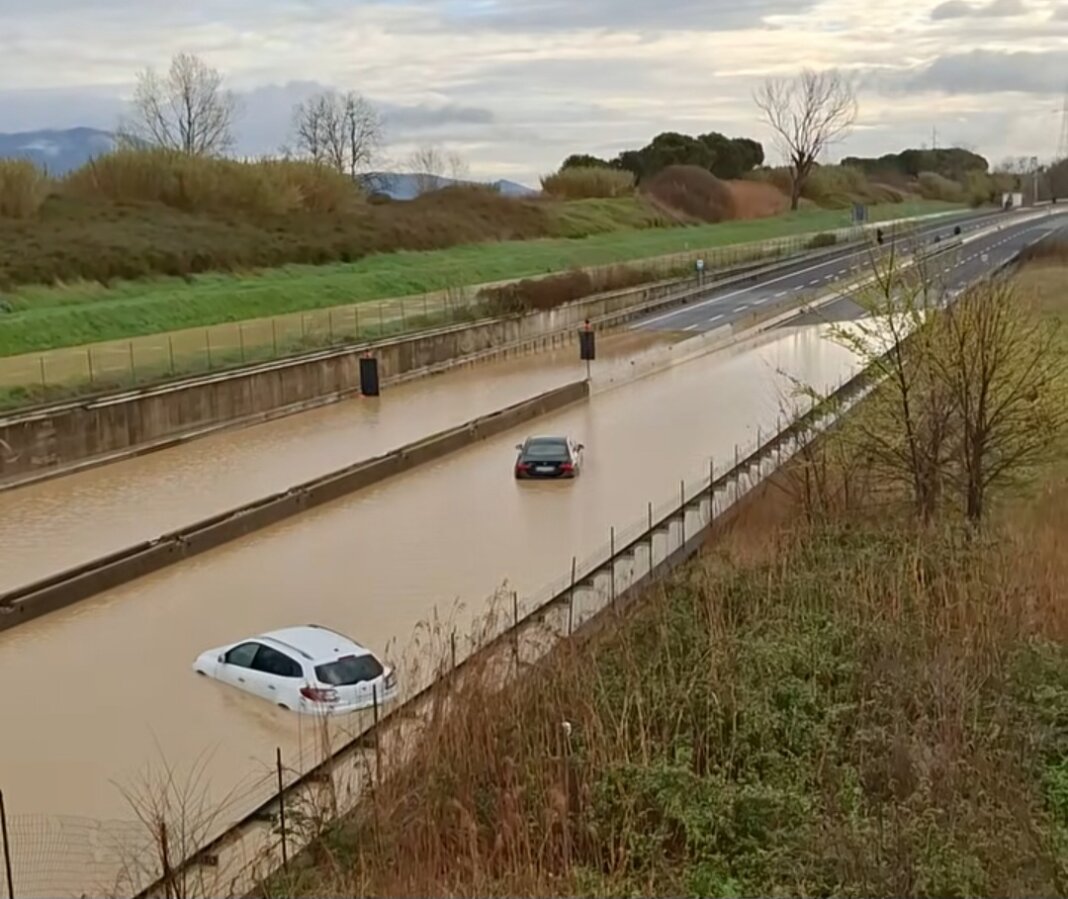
(314, 643)
(544, 439)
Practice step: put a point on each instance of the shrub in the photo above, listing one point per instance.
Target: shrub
(589, 182)
(823, 240)
(547, 293)
(693, 191)
(936, 187)
(23, 188)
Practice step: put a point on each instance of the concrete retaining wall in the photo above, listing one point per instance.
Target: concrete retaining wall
(74, 585)
(64, 437)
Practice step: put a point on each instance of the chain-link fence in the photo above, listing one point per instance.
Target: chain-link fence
(155, 357)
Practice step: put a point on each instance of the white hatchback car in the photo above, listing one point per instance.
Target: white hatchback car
(311, 669)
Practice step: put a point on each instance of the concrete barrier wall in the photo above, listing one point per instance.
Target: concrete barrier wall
(62, 437)
(71, 586)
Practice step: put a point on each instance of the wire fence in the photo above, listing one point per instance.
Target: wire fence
(157, 357)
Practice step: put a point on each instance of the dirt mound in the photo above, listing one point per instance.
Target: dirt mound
(693, 191)
(754, 200)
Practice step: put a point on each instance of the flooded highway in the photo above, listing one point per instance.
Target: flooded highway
(115, 670)
(63, 522)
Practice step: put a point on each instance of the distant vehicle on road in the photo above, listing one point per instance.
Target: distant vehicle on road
(311, 670)
(548, 457)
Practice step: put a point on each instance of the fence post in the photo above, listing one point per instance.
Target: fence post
(682, 507)
(170, 352)
(207, 344)
(426, 309)
(452, 646)
(404, 316)
(515, 626)
(168, 885)
(281, 808)
(44, 380)
(571, 598)
(381, 322)
(274, 334)
(330, 318)
(612, 556)
(7, 848)
(378, 737)
(92, 374)
(133, 368)
(650, 532)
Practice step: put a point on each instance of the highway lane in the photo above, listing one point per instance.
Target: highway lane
(956, 269)
(67, 521)
(63, 522)
(723, 307)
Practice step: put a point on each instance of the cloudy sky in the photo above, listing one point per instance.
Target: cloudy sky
(516, 85)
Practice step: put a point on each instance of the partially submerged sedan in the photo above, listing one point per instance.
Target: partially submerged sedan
(311, 670)
(548, 457)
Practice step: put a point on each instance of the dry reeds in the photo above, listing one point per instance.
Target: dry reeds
(588, 183)
(208, 184)
(23, 188)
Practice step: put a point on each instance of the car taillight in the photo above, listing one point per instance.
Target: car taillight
(317, 694)
(522, 466)
(567, 468)
(391, 680)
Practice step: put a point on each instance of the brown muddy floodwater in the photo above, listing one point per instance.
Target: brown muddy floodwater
(57, 524)
(96, 693)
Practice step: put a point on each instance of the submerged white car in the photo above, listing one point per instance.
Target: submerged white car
(312, 670)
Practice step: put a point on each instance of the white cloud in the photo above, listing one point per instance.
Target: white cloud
(518, 84)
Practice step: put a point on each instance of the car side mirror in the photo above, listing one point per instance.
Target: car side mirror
(581, 447)
(222, 660)
(519, 446)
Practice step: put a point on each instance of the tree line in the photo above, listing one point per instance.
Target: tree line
(723, 156)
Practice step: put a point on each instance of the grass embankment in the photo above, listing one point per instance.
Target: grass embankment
(41, 318)
(840, 704)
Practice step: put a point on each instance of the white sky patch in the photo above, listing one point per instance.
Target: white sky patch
(533, 80)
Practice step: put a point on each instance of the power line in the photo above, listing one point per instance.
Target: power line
(1062, 146)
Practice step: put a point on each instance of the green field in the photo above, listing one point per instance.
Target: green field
(42, 318)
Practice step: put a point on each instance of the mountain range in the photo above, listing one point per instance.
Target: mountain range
(60, 151)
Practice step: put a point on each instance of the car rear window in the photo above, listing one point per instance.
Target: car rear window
(349, 670)
(552, 451)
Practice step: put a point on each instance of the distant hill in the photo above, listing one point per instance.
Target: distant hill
(406, 187)
(57, 151)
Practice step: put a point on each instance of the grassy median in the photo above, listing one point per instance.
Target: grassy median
(41, 318)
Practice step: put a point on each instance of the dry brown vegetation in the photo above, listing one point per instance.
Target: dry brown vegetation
(693, 191)
(839, 698)
(532, 294)
(23, 189)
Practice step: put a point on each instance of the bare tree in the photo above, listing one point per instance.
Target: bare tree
(187, 109)
(807, 115)
(1008, 376)
(905, 429)
(343, 131)
(431, 164)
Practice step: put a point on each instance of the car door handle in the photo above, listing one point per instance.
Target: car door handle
(241, 680)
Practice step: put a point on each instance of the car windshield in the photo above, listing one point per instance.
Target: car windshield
(547, 450)
(349, 670)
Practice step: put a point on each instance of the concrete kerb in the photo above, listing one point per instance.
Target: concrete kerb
(74, 585)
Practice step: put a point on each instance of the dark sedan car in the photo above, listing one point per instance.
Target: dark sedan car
(548, 457)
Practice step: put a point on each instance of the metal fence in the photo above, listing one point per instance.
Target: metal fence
(155, 357)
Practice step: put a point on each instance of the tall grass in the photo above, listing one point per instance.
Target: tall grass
(851, 710)
(588, 183)
(937, 187)
(270, 188)
(23, 189)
